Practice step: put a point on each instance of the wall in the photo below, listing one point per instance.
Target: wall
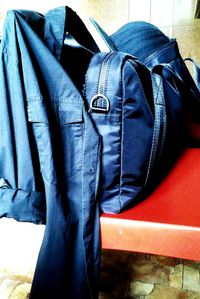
(173, 17)
(123, 274)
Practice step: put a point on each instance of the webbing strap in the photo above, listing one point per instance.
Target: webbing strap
(196, 72)
(160, 123)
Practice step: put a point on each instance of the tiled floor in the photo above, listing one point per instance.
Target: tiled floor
(123, 275)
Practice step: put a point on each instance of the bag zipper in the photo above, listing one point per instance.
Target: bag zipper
(99, 102)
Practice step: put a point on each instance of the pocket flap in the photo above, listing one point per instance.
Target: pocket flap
(63, 113)
(68, 113)
(37, 112)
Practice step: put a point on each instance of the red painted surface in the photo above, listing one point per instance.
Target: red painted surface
(168, 221)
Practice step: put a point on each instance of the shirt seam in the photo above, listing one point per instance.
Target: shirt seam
(7, 54)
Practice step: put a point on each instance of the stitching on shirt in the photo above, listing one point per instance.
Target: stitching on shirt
(7, 53)
(55, 100)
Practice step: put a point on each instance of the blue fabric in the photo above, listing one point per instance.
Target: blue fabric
(49, 155)
(153, 48)
(140, 39)
(133, 127)
(196, 70)
(129, 134)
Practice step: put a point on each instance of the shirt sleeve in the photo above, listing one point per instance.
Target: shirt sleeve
(22, 194)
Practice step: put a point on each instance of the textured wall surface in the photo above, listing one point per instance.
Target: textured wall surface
(173, 17)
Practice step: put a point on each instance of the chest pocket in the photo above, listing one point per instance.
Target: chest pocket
(58, 133)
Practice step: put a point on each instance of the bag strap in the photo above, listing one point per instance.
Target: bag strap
(160, 123)
(166, 70)
(87, 33)
(103, 41)
(196, 72)
(75, 26)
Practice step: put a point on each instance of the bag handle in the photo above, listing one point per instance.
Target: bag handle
(196, 72)
(101, 38)
(160, 123)
(87, 33)
(168, 73)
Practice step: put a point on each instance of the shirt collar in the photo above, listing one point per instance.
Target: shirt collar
(54, 30)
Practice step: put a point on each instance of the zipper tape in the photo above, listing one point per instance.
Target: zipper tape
(99, 102)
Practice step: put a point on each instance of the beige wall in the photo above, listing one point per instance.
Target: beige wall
(174, 17)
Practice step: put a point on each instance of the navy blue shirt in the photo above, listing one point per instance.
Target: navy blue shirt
(49, 155)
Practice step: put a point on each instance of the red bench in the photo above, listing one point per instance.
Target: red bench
(168, 221)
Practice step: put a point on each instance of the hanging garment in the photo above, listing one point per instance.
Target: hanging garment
(49, 155)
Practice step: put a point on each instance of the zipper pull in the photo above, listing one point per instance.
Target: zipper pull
(99, 103)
